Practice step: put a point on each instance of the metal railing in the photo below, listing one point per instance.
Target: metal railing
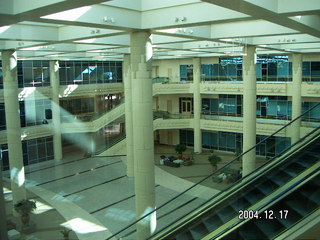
(222, 179)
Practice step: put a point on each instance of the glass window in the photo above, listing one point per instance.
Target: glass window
(93, 73)
(306, 71)
(1, 78)
(232, 72)
(32, 153)
(2, 117)
(315, 71)
(206, 105)
(214, 105)
(223, 75)
(231, 141)
(28, 77)
(232, 105)
(49, 149)
(100, 73)
(283, 71)
(5, 157)
(222, 141)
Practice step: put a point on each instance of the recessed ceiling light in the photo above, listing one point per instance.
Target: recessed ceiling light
(94, 51)
(89, 40)
(52, 55)
(226, 39)
(32, 48)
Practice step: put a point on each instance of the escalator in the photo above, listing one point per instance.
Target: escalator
(221, 216)
(279, 184)
(282, 215)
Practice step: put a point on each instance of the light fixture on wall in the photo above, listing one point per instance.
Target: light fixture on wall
(94, 31)
(108, 19)
(180, 19)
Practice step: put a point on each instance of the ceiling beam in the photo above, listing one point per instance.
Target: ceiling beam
(188, 15)
(259, 12)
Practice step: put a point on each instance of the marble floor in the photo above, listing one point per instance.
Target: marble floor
(96, 198)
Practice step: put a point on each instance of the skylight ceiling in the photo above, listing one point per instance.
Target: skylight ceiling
(181, 28)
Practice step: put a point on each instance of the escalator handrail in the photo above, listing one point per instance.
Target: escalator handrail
(225, 166)
(278, 197)
(245, 181)
(111, 143)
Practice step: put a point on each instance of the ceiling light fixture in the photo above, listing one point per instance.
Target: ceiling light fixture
(89, 40)
(108, 19)
(52, 55)
(94, 51)
(226, 39)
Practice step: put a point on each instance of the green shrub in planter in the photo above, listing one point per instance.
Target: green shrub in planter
(214, 160)
(180, 148)
(24, 208)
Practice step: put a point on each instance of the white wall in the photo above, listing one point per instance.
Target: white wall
(170, 137)
(170, 103)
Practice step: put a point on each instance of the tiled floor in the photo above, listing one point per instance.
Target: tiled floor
(95, 193)
(48, 221)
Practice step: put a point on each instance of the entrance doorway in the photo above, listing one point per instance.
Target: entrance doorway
(186, 106)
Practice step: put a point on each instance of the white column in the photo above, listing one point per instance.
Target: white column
(296, 96)
(128, 112)
(10, 83)
(197, 105)
(141, 57)
(54, 78)
(249, 110)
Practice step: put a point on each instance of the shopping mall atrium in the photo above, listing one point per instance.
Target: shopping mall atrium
(96, 97)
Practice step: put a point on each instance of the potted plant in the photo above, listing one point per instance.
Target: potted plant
(214, 160)
(65, 232)
(24, 208)
(180, 148)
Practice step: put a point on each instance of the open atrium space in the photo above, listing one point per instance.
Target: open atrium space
(159, 119)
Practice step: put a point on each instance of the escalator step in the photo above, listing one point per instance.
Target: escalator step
(242, 202)
(287, 218)
(277, 180)
(251, 234)
(284, 175)
(213, 222)
(227, 213)
(253, 196)
(287, 222)
(301, 207)
(312, 196)
(315, 155)
(199, 231)
(292, 170)
(269, 227)
(267, 187)
(307, 161)
(184, 236)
